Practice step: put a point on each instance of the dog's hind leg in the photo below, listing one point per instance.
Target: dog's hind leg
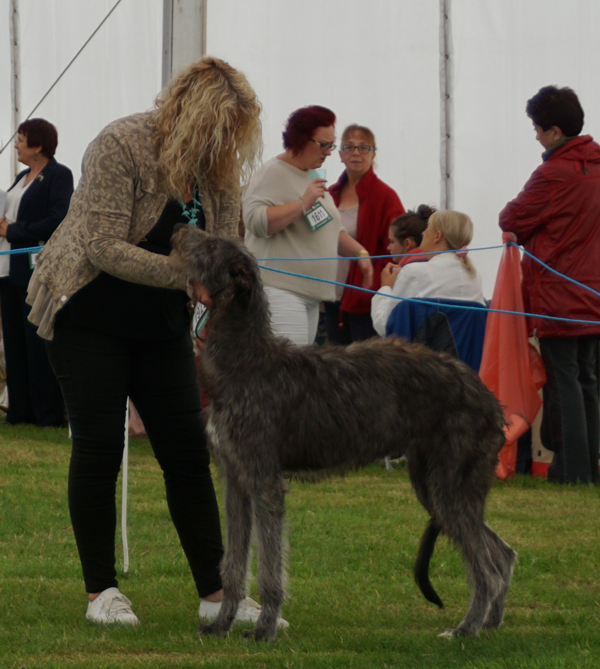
(484, 576)
(235, 562)
(504, 558)
(269, 513)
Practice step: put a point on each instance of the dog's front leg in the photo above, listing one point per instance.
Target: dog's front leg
(235, 562)
(269, 511)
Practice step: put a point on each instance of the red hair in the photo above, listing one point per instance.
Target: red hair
(301, 125)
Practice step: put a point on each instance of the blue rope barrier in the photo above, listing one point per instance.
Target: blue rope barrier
(395, 255)
(13, 252)
(563, 276)
(441, 304)
(429, 253)
(33, 249)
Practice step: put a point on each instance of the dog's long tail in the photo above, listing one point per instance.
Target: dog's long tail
(422, 564)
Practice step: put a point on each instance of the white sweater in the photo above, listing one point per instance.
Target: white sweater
(442, 277)
(277, 183)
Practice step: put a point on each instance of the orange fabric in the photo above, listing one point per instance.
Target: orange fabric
(510, 367)
(413, 257)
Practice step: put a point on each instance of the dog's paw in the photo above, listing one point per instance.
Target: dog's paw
(456, 632)
(212, 630)
(446, 634)
(258, 634)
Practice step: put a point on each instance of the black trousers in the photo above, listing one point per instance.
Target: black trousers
(354, 327)
(97, 372)
(571, 416)
(33, 392)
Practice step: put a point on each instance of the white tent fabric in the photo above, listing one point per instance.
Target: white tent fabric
(118, 73)
(378, 64)
(504, 52)
(375, 63)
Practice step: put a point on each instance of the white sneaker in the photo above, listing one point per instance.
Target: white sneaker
(248, 612)
(111, 606)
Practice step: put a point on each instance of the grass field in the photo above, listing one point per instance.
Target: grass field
(353, 603)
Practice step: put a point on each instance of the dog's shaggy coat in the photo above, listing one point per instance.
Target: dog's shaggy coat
(278, 409)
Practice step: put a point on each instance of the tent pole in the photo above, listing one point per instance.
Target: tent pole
(184, 34)
(167, 61)
(446, 107)
(15, 79)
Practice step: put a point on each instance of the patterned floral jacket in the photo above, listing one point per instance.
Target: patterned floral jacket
(118, 200)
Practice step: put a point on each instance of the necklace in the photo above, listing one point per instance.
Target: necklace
(192, 209)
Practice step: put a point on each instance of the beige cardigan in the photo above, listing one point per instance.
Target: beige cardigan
(117, 201)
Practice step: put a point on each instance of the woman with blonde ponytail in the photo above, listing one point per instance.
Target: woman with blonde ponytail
(114, 310)
(456, 232)
(448, 274)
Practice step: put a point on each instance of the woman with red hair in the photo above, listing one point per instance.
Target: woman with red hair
(289, 215)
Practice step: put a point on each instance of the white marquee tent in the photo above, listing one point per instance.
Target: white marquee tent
(380, 63)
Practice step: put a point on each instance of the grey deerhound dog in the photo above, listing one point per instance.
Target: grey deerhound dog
(281, 410)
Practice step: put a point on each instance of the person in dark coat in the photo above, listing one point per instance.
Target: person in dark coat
(555, 218)
(37, 202)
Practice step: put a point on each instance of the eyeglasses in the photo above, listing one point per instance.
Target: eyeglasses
(362, 149)
(325, 146)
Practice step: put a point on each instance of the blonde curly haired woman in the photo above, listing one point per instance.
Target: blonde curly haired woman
(114, 309)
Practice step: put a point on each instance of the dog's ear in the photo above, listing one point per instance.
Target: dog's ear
(242, 274)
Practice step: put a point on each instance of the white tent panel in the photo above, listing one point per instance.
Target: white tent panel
(504, 52)
(375, 64)
(5, 99)
(118, 73)
(379, 66)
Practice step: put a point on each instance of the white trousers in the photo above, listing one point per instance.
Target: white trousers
(293, 316)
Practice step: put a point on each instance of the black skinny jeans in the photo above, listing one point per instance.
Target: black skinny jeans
(97, 372)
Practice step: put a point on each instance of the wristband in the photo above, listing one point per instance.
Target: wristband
(363, 252)
(302, 204)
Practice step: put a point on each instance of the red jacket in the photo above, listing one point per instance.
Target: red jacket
(378, 206)
(556, 217)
